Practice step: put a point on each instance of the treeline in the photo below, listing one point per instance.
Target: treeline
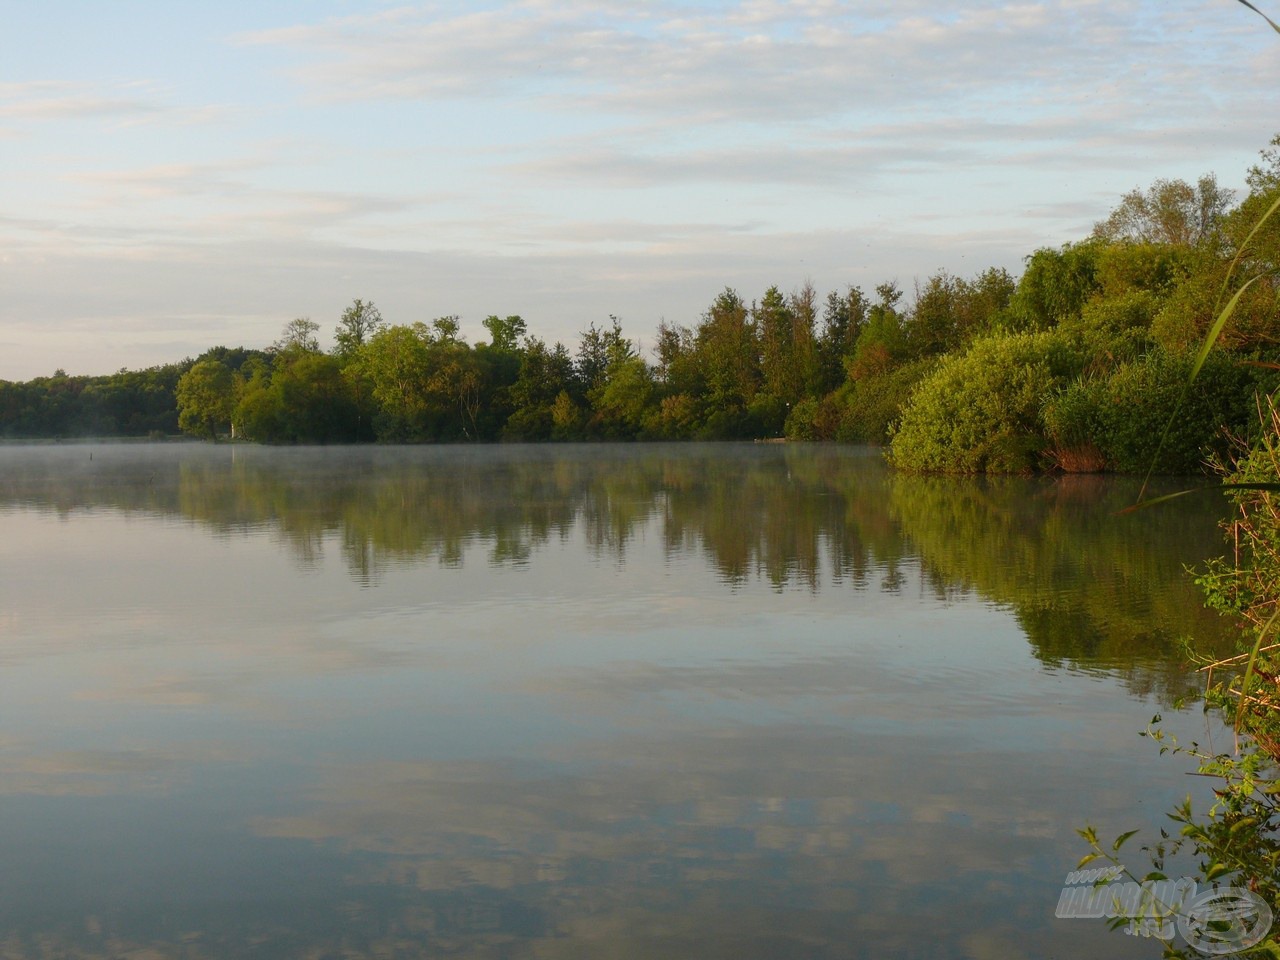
(1078, 365)
(130, 403)
(745, 370)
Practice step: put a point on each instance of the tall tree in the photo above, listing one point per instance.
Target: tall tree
(729, 354)
(774, 324)
(843, 318)
(298, 336)
(358, 323)
(505, 332)
(206, 397)
(1170, 211)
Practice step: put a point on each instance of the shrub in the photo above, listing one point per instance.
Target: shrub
(980, 411)
(1123, 416)
(872, 404)
(1073, 425)
(1142, 399)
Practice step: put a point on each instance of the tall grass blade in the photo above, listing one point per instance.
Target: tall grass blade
(1274, 26)
(1212, 336)
(1226, 312)
(1248, 671)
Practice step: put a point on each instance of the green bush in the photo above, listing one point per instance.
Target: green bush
(1073, 424)
(980, 411)
(873, 403)
(1142, 399)
(1124, 415)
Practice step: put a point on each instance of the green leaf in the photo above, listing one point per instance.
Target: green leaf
(1087, 858)
(1121, 839)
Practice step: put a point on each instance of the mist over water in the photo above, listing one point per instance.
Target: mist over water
(562, 701)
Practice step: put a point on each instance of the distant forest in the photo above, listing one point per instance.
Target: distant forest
(1077, 365)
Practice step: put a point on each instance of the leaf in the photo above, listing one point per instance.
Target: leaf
(1121, 839)
(1087, 858)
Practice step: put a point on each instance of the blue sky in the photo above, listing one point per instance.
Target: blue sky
(183, 175)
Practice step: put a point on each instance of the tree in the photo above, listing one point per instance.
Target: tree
(358, 323)
(459, 379)
(1265, 176)
(729, 354)
(883, 342)
(505, 332)
(950, 311)
(805, 363)
(676, 351)
(1055, 286)
(298, 336)
(446, 330)
(396, 361)
(315, 403)
(624, 401)
(1171, 211)
(206, 398)
(773, 322)
(544, 373)
(842, 321)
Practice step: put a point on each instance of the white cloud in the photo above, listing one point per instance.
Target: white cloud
(133, 102)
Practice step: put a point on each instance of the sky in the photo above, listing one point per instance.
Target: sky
(178, 176)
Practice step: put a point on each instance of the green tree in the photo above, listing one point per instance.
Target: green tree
(397, 363)
(1055, 286)
(446, 330)
(298, 336)
(729, 355)
(358, 323)
(505, 332)
(623, 403)
(544, 374)
(980, 411)
(206, 398)
(843, 318)
(1171, 211)
(882, 344)
(950, 311)
(314, 402)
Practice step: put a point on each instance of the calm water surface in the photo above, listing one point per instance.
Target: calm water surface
(565, 702)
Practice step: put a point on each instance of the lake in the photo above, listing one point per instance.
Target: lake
(644, 701)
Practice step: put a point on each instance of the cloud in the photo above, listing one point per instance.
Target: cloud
(743, 62)
(133, 102)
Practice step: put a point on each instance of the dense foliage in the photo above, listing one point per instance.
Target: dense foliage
(1079, 365)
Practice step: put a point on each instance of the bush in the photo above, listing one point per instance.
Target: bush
(872, 404)
(1073, 425)
(980, 411)
(1141, 400)
(1124, 415)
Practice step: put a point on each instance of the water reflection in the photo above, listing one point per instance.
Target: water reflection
(1090, 588)
(570, 702)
